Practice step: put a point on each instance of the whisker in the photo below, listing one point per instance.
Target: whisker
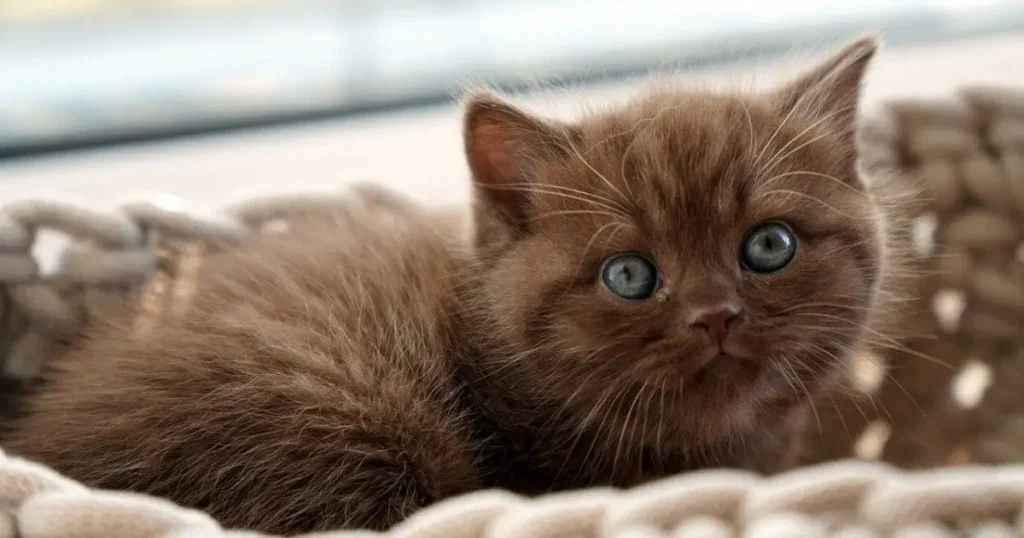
(842, 419)
(801, 306)
(848, 367)
(798, 194)
(779, 157)
(546, 189)
(568, 212)
(590, 243)
(625, 424)
(584, 424)
(778, 129)
(601, 176)
(750, 127)
(913, 401)
(661, 421)
(896, 344)
(830, 177)
(633, 128)
(810, 399)
(582, 192)
(900, 387)
(645, 419)
(607, 414)
(787, 369)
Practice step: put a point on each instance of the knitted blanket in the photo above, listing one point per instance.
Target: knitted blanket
(847, 499)
(944, 400)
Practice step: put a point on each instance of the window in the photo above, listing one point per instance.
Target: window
(76, 72)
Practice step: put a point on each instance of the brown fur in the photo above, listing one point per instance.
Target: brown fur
(366, 366)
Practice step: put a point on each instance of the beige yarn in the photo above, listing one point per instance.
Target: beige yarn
(948, 394)
(116, 252)
(847, 499)
(950, 391)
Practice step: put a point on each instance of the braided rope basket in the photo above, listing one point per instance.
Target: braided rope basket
(941, 413)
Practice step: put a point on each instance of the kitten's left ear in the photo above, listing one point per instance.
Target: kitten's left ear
(506, 149)
(829, 92)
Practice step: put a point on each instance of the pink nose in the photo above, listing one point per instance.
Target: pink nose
(715, 320)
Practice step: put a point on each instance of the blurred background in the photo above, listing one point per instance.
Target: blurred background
(211, 100)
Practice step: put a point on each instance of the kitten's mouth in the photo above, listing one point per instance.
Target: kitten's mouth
(728, 364)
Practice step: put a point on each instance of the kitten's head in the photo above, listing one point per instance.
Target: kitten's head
(715, 249)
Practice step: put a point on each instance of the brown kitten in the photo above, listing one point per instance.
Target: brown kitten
(647, 290)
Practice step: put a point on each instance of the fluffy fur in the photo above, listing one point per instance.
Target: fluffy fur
(365, 366)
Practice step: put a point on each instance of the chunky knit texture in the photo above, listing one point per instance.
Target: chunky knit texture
(947, 394)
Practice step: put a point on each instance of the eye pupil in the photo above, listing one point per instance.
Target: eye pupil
(769, 248)
(630, 276)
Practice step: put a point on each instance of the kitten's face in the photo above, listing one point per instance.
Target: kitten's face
(713, 250)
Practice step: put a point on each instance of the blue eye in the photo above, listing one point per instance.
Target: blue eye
(769, 248)
(630, 276)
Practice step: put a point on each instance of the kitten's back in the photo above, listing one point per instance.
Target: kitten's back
(284, 398)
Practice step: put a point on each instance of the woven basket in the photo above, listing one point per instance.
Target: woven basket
(944, 399)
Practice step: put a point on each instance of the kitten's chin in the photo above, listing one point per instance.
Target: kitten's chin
(729, 386)
(728, 381)
(722, 388)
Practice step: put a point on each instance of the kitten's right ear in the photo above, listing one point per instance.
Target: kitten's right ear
(830, 92)
(505, 149)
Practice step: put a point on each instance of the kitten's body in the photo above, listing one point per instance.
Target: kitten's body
(301, 389)
(369, 365)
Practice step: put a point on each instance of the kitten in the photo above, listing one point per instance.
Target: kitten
(647, 290)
